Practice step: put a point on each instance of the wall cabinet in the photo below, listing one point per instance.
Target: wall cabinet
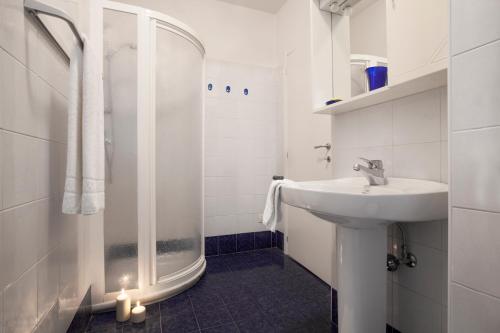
(416, 43)
(417, 38)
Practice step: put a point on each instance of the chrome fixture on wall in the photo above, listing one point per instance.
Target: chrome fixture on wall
(374, 172)
(339, 7)
(404, 257)
(327, 146)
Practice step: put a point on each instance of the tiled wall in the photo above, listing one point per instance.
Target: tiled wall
(474, 167)
(42, 278)
(410, 136)
(242, 150)
(248, 241)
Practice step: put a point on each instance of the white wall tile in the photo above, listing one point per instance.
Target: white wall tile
(473, 24)
(476, 249)
(249, 223)
(346, 133)
(444, 162)
(225, 186)
(417, 118)
(473, 312)
(210, 186)
(474, 166)
(210, 206)
(47, 283)
(428, 233)
(424, 279)
(444, 113)
(240, 146)
(19, 240)
(475, 100)
(21, 296)
(444, 279)
(227, 205)
(31, 105)
(260, 203)
(414, 313)
(375, 125)
(246, 204)
(18, 178)
(48, 226)
(223, 225)
(17, 35)
(420, 161)
(1, 167)
(1, 312)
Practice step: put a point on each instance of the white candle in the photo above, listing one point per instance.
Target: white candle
(122, 307)
(138, 313)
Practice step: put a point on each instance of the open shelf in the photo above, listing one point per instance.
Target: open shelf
(388, 93)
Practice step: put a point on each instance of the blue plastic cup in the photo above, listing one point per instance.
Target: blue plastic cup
(377, 77)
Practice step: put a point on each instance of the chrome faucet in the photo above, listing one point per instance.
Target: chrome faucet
(374, 172)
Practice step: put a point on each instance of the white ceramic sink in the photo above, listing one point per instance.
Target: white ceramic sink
(362, 213)
(351, 201)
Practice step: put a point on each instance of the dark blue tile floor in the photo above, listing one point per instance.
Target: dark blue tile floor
(258, 291)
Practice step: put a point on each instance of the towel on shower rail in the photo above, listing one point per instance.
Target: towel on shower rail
(84, 187)
(271, 214)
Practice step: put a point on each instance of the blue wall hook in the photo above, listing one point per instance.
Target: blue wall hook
(210, 87)
(228, 89)
(245, 91)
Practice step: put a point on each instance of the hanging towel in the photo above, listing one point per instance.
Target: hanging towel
(271, 214)
(73, 185)
(84, 188)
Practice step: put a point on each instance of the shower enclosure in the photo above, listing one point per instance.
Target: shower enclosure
(152, 227)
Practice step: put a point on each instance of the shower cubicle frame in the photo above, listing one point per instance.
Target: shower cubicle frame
(150, 288)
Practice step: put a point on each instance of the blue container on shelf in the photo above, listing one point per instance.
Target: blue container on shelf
(377, 77)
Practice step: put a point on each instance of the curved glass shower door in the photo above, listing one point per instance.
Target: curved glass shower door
(178, 150)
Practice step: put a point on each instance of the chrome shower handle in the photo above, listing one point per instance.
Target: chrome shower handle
(327, 146)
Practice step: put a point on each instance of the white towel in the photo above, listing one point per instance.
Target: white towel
(84, 189)
(271, 214)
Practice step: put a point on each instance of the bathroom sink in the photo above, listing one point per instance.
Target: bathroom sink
(354, 203)
(362, 213)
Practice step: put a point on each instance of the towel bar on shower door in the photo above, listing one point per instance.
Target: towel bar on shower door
(35, 7)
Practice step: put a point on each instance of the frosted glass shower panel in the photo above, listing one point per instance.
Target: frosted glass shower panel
(120, 98)
(179, 66)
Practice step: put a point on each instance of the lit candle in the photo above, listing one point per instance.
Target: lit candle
(138, 313)
(122, 307)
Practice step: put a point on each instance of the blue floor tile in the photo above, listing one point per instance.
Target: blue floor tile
(227, 328)
(181, 322)
(255, 291)
(209, 317)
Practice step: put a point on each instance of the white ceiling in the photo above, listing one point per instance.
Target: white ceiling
(270, 6)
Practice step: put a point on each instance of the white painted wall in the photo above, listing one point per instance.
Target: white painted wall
(230, 33)
(410, 136)
(43, 253)
(474, 282)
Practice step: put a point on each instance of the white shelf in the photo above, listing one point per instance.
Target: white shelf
(388, 93)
